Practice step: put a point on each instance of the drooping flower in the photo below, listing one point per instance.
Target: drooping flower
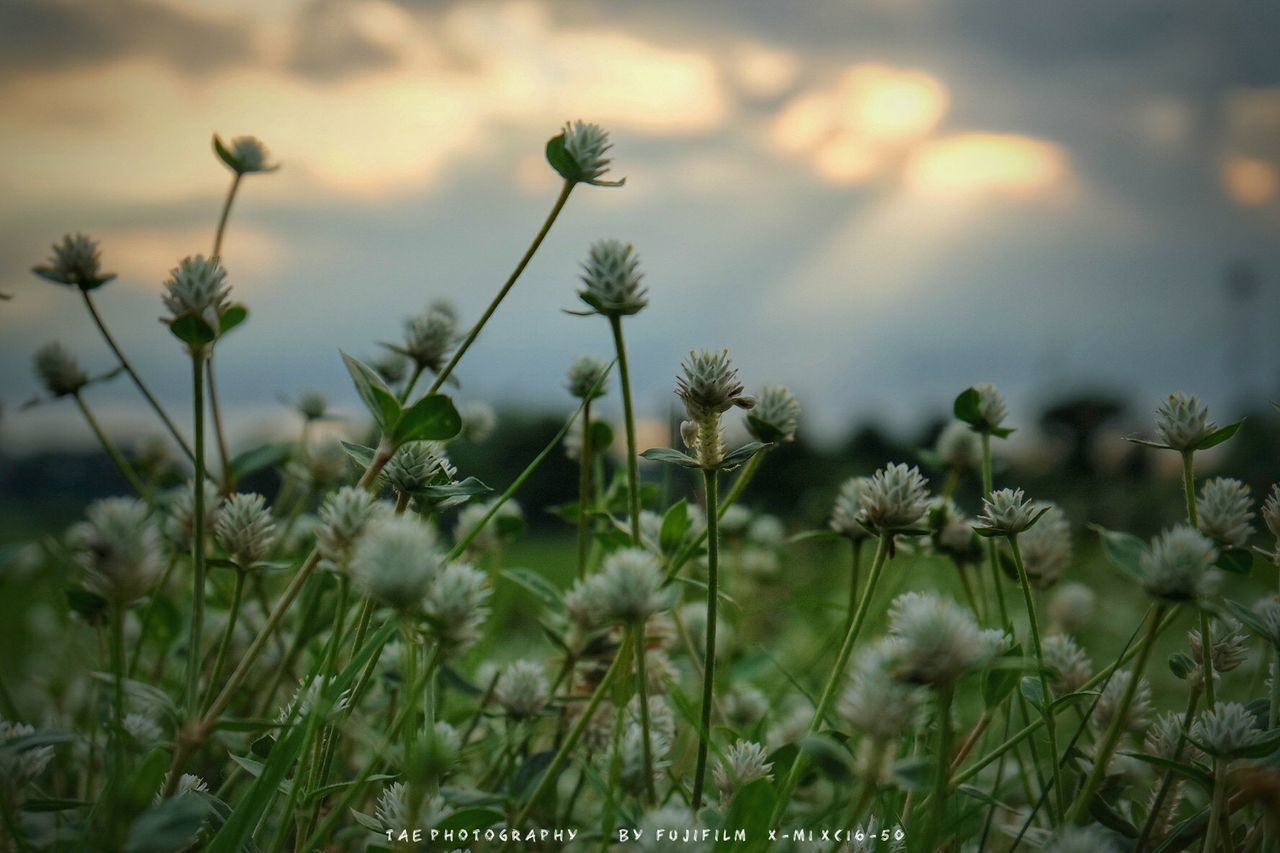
(895, 498)
(396, 561)
(776, 415)
(1182, 423)
(522, 689)
(245, 529)
(1177, 564)
(59, 371)
(119, 545)
(1225, 513)
(611, 279)
(587, 377)
(1007, 512)
(76, 262)
(743, 763)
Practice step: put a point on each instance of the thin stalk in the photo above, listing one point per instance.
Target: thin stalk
(633, 461)
(226, 212)
(642, 690)
(126, 469)
(570, 741)
(413, 380)
(1189, 486)
(584, 490)
(145, 624)
(197, 539)
(133, 374)
(1046, 693)
(410, 664)
(837, 672)
(1167, 779)
(497, 300)
(731, 497)
(854, 571)
(117, 701)
(1206, 655)
(1215, 810)
(710, 481)
(233, 614)
(993, 558)
(1103, 756)
(942, 772)
(228, 481)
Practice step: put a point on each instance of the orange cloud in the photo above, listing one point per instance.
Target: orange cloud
(1250, 181)
(976, 164)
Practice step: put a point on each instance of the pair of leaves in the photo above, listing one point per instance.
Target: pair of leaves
(194, 331)
(730, 461)
(432, 418)
(1213, 439)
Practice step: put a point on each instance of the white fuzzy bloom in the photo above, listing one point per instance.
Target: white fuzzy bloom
(119, 545)
(1163, 737)
(744, 706)
(457, 604)
(895, 498)
(587, 144)
(144, 731)
(710, 386)
(954, 534)
(1072, 606)
(631, 586)
(188, 784)
(611, 279)
(179, 524)
(743, 763)
(1182, 423)
(1177, 565)
(245, 529)
(393, 807)
(1068, 662)
(631, 756)
(659, 828)
(1225, 513)
(309, 696)
(694, 617)
(1225, 729)
(429, 337)
(587, 377)
(522, 689)
(1230, 646)
(937, 641)
(248, 155)
(958, 447)
(1271, 512)
(76, 262)
(1046, 547)
(1139, 713)
(344, 517)
(991, 405)
(776, 415)
(767, 531)
(1268, 613)
(417, 465)
(735, 521)
(59, 371)
(197, 287)
(848, 508)
(1007, 512)
(479, 420)
(875, 703)
(506, 522)
(396, 561)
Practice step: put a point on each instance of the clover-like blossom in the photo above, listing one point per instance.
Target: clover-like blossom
(1182, 422)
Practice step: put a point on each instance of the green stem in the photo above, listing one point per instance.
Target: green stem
(1215, 810)
(854, 570)
(1206, 657)
(739, 486)
(710, 480)
(413, 380)
(585, 500)
(1046, 708)
(195, 644)
(497, 300)
(233, 614)
(226, 212)
(633, 461)
(1167, 779)
(993, 558)
(145, 625)
(410, 700)
(120, 462)
(1103, 755)
(133, 374)
(1189, 486)
(942, 773)
(117, 702)
(642, 690)
(228, 481)
(837, 672)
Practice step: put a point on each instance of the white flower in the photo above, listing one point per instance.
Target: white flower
(1224, 511)
(59, 371)
(611, 277)
(1068, 662)
(694, 617)
(1072, 606)
(197, 287)
(767, 531)
(76, 262)
(417, 465)
(587, 144)
(631, 756)
(631, 586)
(179, 525)
(1226, 729)
(1163, 737)
(1081, 839)
(735, 520)
(744, 706)
(1046, 547)
(396, 561)
(1230, 646)
(1268, 613)
(776, 415)
(1271, 512)
(522, 689)
(19, 768)
(991, 407)
(743, 763)
(848, 508)
(937, 641)
(895, 498)
(119, 545)
(245, 155)
(875, 703)
(429, 337)
(661, 828)
(307, 698)
(958, 447)
(710, 385)
(1176, 566)
(457, 604)
(1182, 423)
(344, 517)
(245, 529)
(188, 784)
(587, 377)
(479, 420)
(1007, 512)
(1139, 713)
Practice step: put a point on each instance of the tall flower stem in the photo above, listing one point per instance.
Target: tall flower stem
(710, 482)
(197, 539)
(228, 480)
(942, 773)
(642, 694)
(117, 701)
(226, 212)
(112, 451)
(992, 557)
(731, 497)
(855, 569)
(1215, 809)
(233, 614)
(1046, 707)
(1193, 518)
(1108, 747)
(510, 282)
(133, 374)
(633, 461)
(584, 490)
(837, 672)
(144, 625)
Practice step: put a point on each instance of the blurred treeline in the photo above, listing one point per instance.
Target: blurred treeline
(1073, 454)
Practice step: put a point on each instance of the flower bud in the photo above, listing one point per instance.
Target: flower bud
(76, 262)
(1224, 512)
(119, 545)
(587, 377)
(1182, 423)
(59, 370)
(1230, 646)
(586, 145)
(417, 465)
(611, 275)
(245, 529)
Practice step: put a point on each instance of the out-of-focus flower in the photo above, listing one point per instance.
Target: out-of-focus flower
(895, 498)
(59, 371)
(743, 763)
(1071, 607)
(522, 689)
(504, 526)
(429, 337)
(744, 706)
(344, 517)
(457, 604)
(1046, 547)
(479, 420)
(395, 561)
(958, 447)
(1177, 564)
(587, 377)
(245, 155)
(179, 525)
(586, 145)
(245, 529)
(1225, 513)
(76, 262)
(875, 703)
(119, 545)
(631, 586)
(776, 415)
(937, 642)
(1068, 662)
(847, 510)
(1139, 713)
(1228, 643)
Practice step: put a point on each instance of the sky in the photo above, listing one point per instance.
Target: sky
(875, 202)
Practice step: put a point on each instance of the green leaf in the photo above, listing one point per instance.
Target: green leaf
(670, 457)
(750, 809)
(232, 317)
(539, 586)
(1261, 748)
(261, 457)
(675, 524)
(225, 155)
(912, 773)
(360, 453)
(432, 418)
(1247, 617)
(377, 397)
(88, 605)
(53, 804)
(1237, 561)
(830, 757)
(766, 431)
(1133, 439)
(1033, 691)
(148, 696)
(193, 331)
(1199, 775)
(968, 407)
(468, 488)
(1220, 435)
(815, 536)
(170, 826)
(561, 160)
(1182, 665)
(740, 456)
(1124, 550)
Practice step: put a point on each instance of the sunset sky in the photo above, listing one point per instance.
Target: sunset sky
(877, 202)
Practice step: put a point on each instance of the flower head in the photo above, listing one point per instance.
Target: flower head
(504, 526)
(417, 465)
(313, 406)
(429, 337)
(197, 287)
(895, 498)
(776, 415)
(937, 642)
(586, 145)
(611, 277)
(19, 767)
(848, 509)
(1046, 547)
(76, 262)
(991, 411)
(877, 704)
(1164, 736)
(1271, 511)
(1182, 423)
(396, 561)
(522, 689)
(1267, 612)
(1224, 512)
(1072, 606)
(1068, 662)
(952, 531)
(1108, 704)
(245, 155)
(588, 377)
(1228, 643)
(179, 524)
(958, 447)
(457, 604)
(710, 385)
(1081, 839)
(1007, 512)
(1177, 565)
(631, 586)
(479, 420)
(245, 529)
(119, 545)
(59, 370)
(344, 517)
(743, 763)
(1226, 729)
